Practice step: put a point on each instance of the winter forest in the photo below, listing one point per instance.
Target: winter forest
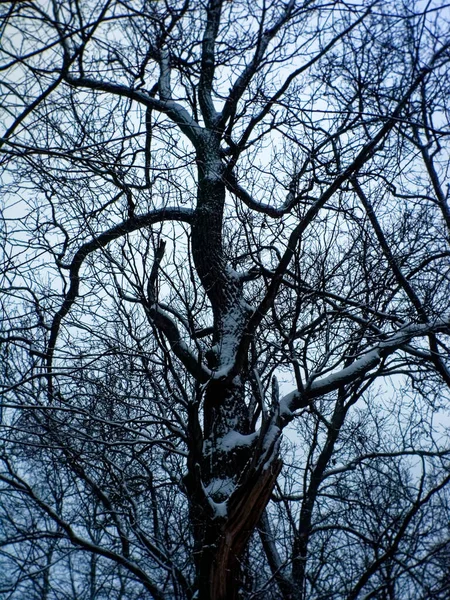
(225, 300)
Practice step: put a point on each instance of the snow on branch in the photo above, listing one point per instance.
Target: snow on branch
(234, 439)
(361, 366)
(174, 110)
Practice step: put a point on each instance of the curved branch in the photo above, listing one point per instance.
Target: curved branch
(175, 111)
(128, 226)
(23, 487)
(165, 325)
(267, 209)
(363, 365)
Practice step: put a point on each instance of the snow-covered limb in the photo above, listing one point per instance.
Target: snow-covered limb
(181, 350)
(361, 366)
(232, 328)
(175, 111)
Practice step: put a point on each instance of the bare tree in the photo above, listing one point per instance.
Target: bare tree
(223, 221)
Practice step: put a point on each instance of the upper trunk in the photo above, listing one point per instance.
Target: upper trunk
(207, 249)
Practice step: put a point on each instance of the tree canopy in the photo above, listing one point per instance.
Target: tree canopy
(225, 360)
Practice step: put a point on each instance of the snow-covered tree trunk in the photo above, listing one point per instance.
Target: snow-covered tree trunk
(226, 535)
(235, 486)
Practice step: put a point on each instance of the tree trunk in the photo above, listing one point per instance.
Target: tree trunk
(221, 540)
(226, 539)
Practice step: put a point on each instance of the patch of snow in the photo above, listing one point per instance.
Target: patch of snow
(232, 325)
(220, 508)
(223, 486)
(272, 434)
(223, 371)
(232, 273)
(234, 439)
(271, 447)
(286, 402)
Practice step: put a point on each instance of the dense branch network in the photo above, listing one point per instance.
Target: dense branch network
(222, 221)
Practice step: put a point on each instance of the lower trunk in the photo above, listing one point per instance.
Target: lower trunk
(226, 539)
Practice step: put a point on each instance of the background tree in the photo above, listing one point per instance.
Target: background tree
(222, 221)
